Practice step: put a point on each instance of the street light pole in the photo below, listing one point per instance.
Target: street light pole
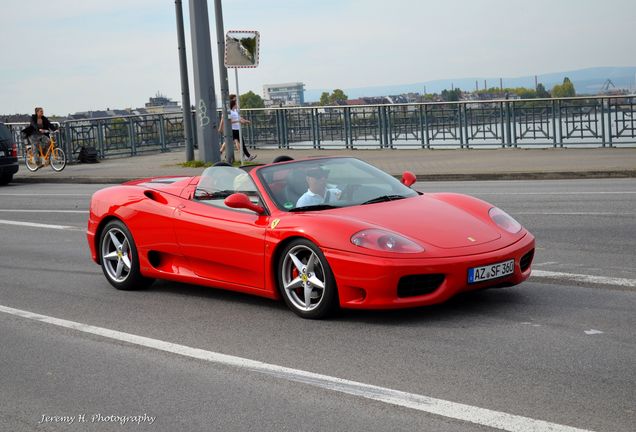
(207, 120)
(185, 86)
(225, 92)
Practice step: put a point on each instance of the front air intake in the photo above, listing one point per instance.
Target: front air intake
(416, 285)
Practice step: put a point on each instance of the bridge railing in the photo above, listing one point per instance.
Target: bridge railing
(605, 121)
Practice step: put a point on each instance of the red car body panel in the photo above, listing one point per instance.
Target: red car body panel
(184, 240)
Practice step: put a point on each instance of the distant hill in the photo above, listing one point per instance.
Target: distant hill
(586, 81)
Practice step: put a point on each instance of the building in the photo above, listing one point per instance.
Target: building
(286, 94)
(161, 104)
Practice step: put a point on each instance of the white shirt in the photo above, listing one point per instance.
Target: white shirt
(235, 119)
(309, 198)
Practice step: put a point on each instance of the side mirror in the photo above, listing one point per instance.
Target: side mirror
(241, 201)
(408, 178)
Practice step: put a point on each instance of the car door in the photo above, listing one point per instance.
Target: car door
(221, 243)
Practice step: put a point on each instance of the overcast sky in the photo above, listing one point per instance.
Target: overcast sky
(79, 55)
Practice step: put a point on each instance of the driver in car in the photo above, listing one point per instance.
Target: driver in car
(318, 192)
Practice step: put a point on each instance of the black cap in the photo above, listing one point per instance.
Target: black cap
(317, 172)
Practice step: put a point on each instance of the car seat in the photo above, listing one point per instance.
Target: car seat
(295, 187)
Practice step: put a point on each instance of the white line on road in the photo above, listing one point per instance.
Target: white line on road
(458, 411)
(40, 225)
(43, 211)
(585, 278)
(557, 193)
(574, 213)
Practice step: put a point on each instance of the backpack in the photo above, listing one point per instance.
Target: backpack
(88, 155)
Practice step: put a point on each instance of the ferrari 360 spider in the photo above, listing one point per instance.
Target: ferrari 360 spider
(322, 233)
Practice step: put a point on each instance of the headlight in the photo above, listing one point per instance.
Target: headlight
(385, 241)
(504, 220)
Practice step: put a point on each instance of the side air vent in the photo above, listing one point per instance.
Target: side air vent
(415, 285)
(526, 260)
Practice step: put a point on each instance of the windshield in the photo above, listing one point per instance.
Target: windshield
(329, 183)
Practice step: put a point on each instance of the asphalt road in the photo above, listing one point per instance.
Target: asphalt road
(559, 348)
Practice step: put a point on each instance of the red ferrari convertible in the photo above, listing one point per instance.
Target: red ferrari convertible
(321, 233)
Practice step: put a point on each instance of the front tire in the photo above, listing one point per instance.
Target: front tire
(119, 258)
(306, 281)
(58, 159)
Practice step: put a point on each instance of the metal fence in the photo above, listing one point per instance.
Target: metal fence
(607, 121)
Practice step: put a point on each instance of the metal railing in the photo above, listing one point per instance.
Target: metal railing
(605, 121)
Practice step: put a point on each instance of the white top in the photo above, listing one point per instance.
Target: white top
(235, 119)
(310, 198)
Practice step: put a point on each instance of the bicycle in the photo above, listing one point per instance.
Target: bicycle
(54, 156)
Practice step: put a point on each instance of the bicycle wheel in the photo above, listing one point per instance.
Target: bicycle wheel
(58, 159)
(30, 161)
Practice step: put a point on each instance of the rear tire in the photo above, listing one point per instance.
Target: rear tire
(58, 159)
(119, 259)
(29, 160)
(5, 179)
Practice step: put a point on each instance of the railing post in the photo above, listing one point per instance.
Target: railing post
(560, 119)
(603, 122)
(459, 125)
(513, 130)
(465, 125)
(162, 133)
(609, 121)
(317, 146)
(389, 129)
(100, 138)
(347, 125)
(427, 141)
(131, 137)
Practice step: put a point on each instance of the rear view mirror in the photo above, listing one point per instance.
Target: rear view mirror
(241, 201)
(408, 178)
(241, 48)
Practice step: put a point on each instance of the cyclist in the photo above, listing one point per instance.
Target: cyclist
(37, 132)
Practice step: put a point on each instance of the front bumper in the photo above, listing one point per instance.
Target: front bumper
(367, 282)
(9, 166)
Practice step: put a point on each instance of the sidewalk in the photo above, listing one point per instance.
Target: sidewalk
(499, 164)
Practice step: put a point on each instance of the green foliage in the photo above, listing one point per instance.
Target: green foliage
(251, 100)
(334, 98)
(451, 95)
(564, 90)
(542, 92)
(324, 98)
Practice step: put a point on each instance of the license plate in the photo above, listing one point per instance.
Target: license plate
(491, 271)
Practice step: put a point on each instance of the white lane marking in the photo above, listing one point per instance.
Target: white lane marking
(556, 193)
(42, 211)
(40, 225)
(593, 332)
(458, 411)
(585, 278)
(574, 213)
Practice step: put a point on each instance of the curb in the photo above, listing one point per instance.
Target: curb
(558, 175)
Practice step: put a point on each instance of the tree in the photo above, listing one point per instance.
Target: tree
(451, 95)
(337, 96)
(251, 100)
(334, 98)
(324, 98)
(542, 92)
(564, 90)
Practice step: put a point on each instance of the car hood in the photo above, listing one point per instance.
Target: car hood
(426, 219)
